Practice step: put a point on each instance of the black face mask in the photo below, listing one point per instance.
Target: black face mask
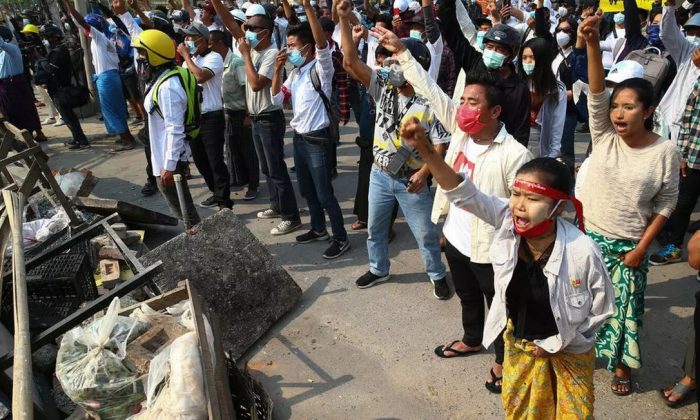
(144, 71)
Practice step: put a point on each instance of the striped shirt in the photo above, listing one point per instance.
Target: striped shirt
(689, 135)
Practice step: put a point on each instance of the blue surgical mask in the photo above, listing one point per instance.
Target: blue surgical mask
(296, 58)
(493, 59)
(480, 39)
(619, 18)
(654, 36)
(383, 73)
(302, 18)
(25, 22)
(252, 38)
(415, 34)
(191, 46)
(529, 68)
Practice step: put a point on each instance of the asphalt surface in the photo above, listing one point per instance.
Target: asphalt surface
(368, 354)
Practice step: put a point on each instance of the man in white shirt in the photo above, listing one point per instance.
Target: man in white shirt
(312, 137)
(208, 147)
(267, 118)
(106, 77)
(166, 125)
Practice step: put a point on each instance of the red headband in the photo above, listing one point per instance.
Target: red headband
(554, 194)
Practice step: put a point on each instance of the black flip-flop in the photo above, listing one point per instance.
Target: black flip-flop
(492, 386)
(621, 381)
(678, 389)
(440, 351)
(122, 148)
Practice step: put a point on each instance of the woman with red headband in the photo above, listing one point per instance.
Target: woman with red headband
(552, 288)
(629, 191)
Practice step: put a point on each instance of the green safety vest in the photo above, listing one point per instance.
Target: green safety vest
(194, 98)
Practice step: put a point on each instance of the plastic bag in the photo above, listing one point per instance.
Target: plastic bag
(176, 383)
(90, 365)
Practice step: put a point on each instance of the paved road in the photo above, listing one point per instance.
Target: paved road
(350, 353)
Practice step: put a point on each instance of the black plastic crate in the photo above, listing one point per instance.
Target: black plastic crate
(55, 289)
(250, 401)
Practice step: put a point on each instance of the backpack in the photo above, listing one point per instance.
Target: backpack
(333, 127)
(657, 67)
(193, 91)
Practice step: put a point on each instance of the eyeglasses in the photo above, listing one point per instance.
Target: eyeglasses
(253, 28)
(565, 30)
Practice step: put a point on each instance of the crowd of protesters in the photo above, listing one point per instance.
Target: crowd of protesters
(480, 100)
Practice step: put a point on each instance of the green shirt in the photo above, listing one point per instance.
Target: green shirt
(233, 87)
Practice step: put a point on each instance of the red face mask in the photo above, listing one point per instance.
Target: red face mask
(554, 194)
(468, 120)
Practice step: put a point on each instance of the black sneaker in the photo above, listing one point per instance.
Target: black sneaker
(209, 203)
(78, 146)
(368, 280)
(336, 249)
(311, 236)
(441, 289)
(149, 188)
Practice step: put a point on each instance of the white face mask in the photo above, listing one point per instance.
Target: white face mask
(563, 11)
(563, 39)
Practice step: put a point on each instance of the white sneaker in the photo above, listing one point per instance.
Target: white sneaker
(285, 227)
(49, 120)
(268, 214)
(59, 123)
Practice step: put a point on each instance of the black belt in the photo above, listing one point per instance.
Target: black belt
(13, 78)
(213, 114)
(404, 172)
(267, 115)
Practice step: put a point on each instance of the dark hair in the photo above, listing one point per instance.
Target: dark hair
(302, 32)
(217, 36)
(653, 12)
(645, 95)
(574, 28)
(162, 8)
(493, 94)
(327, 24)
(385, 18)
(553, 173)
(543, 79)
(382, 51)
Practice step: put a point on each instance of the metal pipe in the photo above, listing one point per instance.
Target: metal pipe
(181, 199)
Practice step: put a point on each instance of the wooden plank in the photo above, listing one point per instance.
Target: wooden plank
(30, 180)
(20, 156)
(133, 263)
(82, 314)
(160, 302)
(65, 202)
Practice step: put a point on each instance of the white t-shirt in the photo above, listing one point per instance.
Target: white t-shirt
(608, 45)
(104, 52)
(458, 225)
(211, 89)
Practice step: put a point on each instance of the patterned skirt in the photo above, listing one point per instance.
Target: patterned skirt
(555, 387)
(617, 340)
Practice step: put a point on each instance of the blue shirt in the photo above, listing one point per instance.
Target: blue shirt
(10, 60)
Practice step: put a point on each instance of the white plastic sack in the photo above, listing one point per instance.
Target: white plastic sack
(176, 383)
(90, 365)
(70, 182)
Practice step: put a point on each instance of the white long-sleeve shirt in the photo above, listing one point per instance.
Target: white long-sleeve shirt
(167, 133)
(673, 103)
(581, 295)
(307, 105)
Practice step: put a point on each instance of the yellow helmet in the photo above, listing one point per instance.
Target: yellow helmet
(159, 47)
(30, 29)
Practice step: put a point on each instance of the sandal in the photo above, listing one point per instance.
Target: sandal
(358, 225)
(493, 386)
(440, 351)
(678, 389)
(617, 381)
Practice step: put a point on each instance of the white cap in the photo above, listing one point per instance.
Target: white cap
(623, 70)
(402, 5)
(246, 5)
(255, 10)
(313, 3)
(238, 14)
(414, 6)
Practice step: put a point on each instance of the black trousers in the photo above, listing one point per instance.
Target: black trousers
(473, 282)
(696, 323)
(208, 154)
(242, 159)
(71, 120)
(688, 194)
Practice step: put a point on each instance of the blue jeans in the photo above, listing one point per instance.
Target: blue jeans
(313, 169)
(268, 137)
(383, 190)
